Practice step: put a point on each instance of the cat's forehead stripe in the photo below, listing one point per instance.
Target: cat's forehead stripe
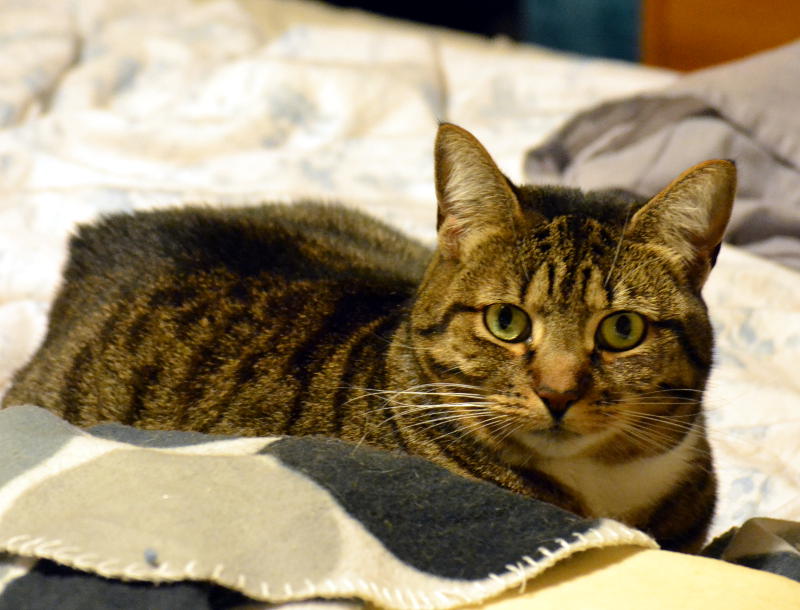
(568, 259)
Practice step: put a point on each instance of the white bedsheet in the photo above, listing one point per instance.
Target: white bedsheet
(117, 105)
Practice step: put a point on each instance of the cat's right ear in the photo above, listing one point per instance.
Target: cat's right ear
(689, 217)
(474, 196)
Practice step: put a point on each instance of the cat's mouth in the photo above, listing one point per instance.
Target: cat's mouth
(555, 441)
(556, 431)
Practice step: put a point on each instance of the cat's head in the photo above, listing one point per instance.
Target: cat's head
(562, 323)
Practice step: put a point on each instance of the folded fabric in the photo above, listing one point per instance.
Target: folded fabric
(745, 110)
(91, 516)
(771, 545)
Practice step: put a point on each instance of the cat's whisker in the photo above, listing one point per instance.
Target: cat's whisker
(467, 422)
(412, 411)
(667, 423)
(471, 410)
(395, 342)
(670, 391)
(472, 424)
(650, 438)
(619, 244)
(392, 396)
(511, 426)
(658, 417)
(459, 433)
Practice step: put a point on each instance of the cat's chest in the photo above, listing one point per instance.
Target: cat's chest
(621, 490)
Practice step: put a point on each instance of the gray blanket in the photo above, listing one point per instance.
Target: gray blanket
(116, 517)
(123, 518)
(748, 111)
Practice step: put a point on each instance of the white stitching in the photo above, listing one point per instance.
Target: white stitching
(189, 568)
(529, 560)
(607, 533)
(545, 551)
(12, 542)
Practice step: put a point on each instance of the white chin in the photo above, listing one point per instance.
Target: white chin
(555, 444)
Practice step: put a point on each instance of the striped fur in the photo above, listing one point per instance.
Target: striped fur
(312, 319)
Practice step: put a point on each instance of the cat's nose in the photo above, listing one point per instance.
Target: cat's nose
(557, 402)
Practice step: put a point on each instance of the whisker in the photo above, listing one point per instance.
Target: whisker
(619, 244)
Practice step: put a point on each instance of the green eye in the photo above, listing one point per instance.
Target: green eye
(507, 322)
(621, 331)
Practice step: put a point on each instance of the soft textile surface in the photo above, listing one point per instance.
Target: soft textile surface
(633, 578)
(218, 521)
(118, 105)
(274, 519)
(745, 111)
(772, 545)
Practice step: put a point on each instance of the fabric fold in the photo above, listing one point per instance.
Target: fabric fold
(745, 111)
(272, 519)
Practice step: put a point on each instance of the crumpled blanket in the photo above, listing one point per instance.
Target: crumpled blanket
(745, 110)
(273, 519)
(120, 517)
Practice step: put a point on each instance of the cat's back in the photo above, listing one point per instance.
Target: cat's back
(307, 241)
(195, 317)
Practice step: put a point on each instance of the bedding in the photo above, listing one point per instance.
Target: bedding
(745, 110)
(122, 105)
(120, 517)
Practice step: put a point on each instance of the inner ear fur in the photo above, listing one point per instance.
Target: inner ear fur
(690, 215)
(474, 197)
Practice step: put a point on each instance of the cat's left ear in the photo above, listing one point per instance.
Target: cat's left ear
(690, 215)
(475, 198)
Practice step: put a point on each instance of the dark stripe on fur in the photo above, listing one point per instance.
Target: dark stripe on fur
(586, 276)
(208, 357)
(380, 381)
(442, 325)
(568, 281)
(355, 362)
(351, 312)
(445, 370)
(686, 497)
(245, 371)
(679, 330)
(557, 494)
(143, 380)
(71, 392)
(468, 464)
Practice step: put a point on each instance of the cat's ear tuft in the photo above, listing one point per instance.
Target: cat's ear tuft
(474, 196)
(689, 217)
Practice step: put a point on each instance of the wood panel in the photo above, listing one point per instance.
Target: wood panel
(690, 34)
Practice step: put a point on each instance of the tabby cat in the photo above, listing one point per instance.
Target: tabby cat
(555, 342)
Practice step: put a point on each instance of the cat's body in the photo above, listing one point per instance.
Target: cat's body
(555, 343)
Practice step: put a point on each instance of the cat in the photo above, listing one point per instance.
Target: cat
(555, 342)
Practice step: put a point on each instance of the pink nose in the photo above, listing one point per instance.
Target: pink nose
(557, 402)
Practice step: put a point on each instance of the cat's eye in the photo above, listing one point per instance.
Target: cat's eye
(507, 322)
(621, 331)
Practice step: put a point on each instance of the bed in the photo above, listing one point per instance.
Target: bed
(124, 105)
